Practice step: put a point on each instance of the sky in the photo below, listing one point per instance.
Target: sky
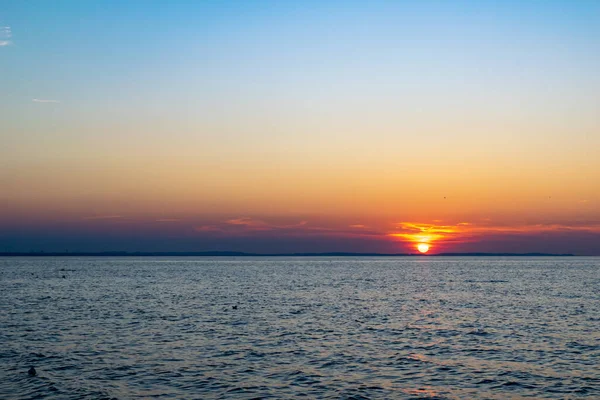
(300, 126)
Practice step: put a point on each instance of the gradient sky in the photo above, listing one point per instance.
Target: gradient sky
(300, 126)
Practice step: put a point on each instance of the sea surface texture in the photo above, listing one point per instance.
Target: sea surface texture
(317, 328)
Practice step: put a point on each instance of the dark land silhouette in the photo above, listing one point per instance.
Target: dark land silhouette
(243, 254)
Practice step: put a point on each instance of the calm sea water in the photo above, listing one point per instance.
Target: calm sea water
(184, 328)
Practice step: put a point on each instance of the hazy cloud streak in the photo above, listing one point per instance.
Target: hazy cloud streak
(45, 101)
(94, 217)
(5, 35)
(245, 226)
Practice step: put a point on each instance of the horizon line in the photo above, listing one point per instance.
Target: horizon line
(42, 253)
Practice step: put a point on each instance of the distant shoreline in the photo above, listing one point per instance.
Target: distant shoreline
(242, 254)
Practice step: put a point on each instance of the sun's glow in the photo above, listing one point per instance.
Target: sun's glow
(423, 247)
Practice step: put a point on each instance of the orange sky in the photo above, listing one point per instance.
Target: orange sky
(430, 115)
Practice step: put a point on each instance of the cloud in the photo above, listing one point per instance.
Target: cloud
(168, 220)
(252, 227)
(45, 101)
(465, 232)
(209, 228)
(5, 35)
(94, 217)
(260, 225)
(450, 236)
(250, 223)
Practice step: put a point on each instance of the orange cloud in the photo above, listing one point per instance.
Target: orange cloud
(250, 223)
(247, 224)
(462, 232)
(423, 233)
(241, 226)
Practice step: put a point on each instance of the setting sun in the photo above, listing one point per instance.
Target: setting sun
(423, 247)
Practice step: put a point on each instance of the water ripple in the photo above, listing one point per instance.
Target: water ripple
(270, 328)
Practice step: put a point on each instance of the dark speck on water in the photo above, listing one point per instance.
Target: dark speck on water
(317, 328)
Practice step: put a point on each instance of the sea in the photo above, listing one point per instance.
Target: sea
(312, 328)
